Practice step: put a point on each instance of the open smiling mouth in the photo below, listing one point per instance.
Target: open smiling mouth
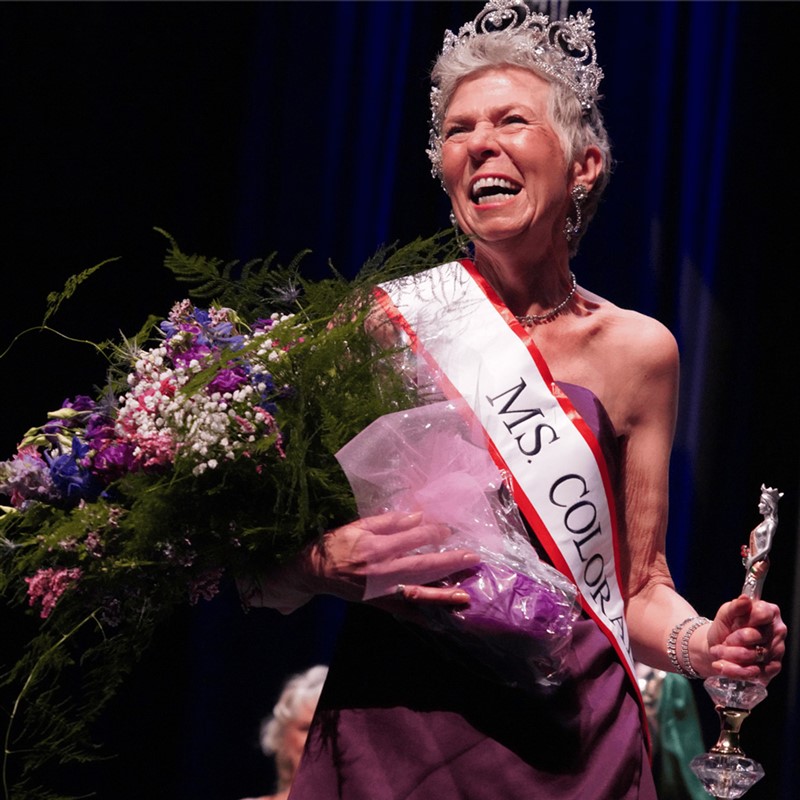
(493, 190)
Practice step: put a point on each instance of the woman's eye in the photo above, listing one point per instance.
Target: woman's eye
(454, 130)
(514, 119)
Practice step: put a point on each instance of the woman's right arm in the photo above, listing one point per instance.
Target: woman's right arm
(340, 562)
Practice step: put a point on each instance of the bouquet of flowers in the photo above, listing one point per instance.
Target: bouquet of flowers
(209, 453)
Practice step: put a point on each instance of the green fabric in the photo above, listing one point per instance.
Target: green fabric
(680, 740)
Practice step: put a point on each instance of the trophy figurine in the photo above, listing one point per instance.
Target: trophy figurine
(725, 771)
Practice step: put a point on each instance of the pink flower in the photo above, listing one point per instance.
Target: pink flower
(47, 585)
(94, 544)
(165, 388)
(245, 424)
(205, 585)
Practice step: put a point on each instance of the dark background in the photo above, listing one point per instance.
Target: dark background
(247, 128)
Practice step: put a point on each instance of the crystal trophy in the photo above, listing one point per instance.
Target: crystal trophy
(725, 771)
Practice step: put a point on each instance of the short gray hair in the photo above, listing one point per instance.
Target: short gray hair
(576, 127)
(298, 692)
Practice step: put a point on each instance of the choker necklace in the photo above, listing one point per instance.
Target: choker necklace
(529, 320)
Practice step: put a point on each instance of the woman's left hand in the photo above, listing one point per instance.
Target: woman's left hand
(747, 640)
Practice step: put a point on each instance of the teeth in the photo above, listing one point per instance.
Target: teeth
(484, 190)
(483, 183)
(493, 198)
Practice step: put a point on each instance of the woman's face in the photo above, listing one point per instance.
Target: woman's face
(502, 162)
(294, 737)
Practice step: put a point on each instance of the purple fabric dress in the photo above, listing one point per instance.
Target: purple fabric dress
(405, 715)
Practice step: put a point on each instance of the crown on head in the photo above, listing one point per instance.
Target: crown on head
(773, 495)
(562, 48)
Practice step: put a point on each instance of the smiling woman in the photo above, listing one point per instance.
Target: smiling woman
(211, 120)
(577, 398)
(578, 126)
(507, 175)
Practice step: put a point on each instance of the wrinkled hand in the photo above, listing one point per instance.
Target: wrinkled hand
(340, 563)
(379, 547)
(747, 640)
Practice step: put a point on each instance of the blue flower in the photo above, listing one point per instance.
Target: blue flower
(71, 479)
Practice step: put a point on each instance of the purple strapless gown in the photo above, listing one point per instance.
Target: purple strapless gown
(406, 716)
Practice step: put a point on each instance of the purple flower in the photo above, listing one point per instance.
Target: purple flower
(26, 477)
(224, 333)
(288, 293)
(195, 352)
(205, 328)
(81, 403)
(227, 380)
(99, 428)
(113, 460)
(263, 377)
(193, 321)
(113, 457)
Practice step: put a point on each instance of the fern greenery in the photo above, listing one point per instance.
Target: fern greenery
(238, 519)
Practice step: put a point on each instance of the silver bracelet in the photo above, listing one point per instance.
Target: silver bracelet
(672, 645)
(688, 669)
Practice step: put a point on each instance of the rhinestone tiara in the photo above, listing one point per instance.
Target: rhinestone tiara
(561, 48)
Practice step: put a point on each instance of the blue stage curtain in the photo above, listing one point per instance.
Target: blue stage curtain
(682, 85)
(332, 157)
(244, 128)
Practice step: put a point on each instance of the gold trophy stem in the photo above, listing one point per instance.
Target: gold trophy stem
(731, 720)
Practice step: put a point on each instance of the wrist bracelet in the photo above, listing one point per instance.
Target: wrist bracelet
(689, 670)
(672, 645)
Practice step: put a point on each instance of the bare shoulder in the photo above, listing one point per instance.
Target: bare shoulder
(637, 357)
(640, 342)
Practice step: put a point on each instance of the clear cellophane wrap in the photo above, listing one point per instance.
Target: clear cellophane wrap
(433, 459)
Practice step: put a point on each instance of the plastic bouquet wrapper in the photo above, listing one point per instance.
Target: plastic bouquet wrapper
(431, 459)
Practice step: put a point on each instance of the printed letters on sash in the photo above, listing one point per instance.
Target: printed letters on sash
(455, 321)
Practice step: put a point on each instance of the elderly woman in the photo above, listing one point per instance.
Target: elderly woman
(578, 401)
(284, 733)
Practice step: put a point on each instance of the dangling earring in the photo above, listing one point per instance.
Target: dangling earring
(579, 194)
(462, 240)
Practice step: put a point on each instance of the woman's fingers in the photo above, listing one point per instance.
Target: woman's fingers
(404, 542)
(409, 602)
(434, 595)
(762, 672)
(383, 547)
(749, 640)
(390, 522)
(426, 567)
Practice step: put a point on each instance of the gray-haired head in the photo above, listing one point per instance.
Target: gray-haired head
(507, 33)
(299, 691)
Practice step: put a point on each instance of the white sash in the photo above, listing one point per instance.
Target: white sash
(456, 322)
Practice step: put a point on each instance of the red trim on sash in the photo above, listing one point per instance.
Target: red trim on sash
(521, 499)
(565, 403)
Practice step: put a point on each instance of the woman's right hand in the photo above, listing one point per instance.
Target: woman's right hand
(342, 560)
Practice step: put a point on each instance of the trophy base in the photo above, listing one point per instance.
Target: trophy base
(726, 776)
(734, 692)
